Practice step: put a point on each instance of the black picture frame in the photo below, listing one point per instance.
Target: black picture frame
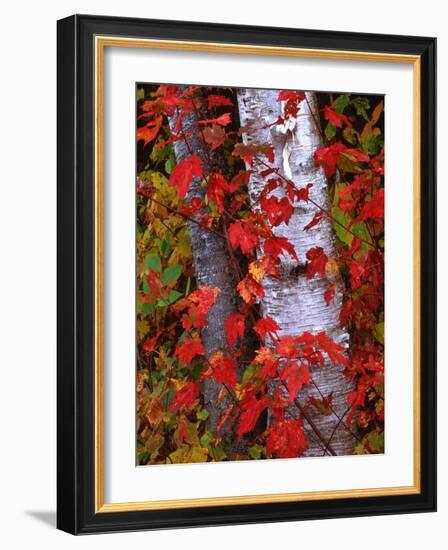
(76, 272)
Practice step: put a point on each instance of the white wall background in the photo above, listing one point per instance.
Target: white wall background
(28, 267)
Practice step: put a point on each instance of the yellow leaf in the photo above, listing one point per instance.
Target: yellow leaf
(368, 128)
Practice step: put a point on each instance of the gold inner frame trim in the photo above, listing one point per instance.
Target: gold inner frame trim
(101, 42)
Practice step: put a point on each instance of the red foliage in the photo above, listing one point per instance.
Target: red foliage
(241, 234)
(336, 118)
(278, 210)
(184, 172)
(251, 410)
(286, 439)
(189, 348)
(186, 396)
(228, 210)
(224, 368)
(266, 326)
(222, 120)
(317, 260)
(234, 327)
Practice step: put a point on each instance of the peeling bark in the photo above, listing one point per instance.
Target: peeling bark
(294, 302)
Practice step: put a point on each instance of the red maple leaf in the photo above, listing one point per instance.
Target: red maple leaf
(150, 343)
(316, 219)
(242, 178)
(204, 298)
(267, 359)
(266, 326)
(288, 95)
(184, 172)
(149, 132)
(155, 284)
(252, 408)
(275, 246)
(199, 302)
(333, 350)
(247, 151)
(234, 327)
(222, 120)
(295, 375)
(358, 274)
(373, 208)
(292, 98)
(317, 260)
(216, 189)
(224, 368)
(240, 234)
(336, 118)
(287, 347)
(250, 290)
(278, 210)
(328, 156)
(189, 348)
(192, 207)
(214, 135)
(302, 194)
(286, 439)
(218, 101)
(185, 396)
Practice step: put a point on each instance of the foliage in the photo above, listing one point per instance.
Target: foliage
(171, 309)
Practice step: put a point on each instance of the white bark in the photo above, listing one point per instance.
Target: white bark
(294, 302)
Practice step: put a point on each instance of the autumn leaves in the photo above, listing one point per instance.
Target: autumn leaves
(174, 311)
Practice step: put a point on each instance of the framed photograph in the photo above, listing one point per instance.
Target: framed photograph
(246, 274)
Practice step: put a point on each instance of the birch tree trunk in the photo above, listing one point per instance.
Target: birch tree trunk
(212, 267)
(294, 302)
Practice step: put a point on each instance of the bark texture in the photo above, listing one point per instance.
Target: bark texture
(211, 264)
(294, 302)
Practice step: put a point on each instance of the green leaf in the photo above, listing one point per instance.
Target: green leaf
(350, 135)
(197, 454)
(360, 449)
(202, 415)
(146, 309)
(207, 438)
(170, 164)
(196, 368)
(155, 377)
(256, 451)
(171, 274)
(376, 441)
(249, 372)
(361, 104)
(344, 220)
(371, 144)
(217, 453)
(140, 93)
(330, 130)
(173, 296)
(153, 262)
(379, 332)
(179, 455)
(165, 245)
(341, 103)
(143, 457)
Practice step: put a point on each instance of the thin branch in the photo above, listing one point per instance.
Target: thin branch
(336, 414)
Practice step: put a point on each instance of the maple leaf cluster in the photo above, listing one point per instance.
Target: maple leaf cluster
(174, 310)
